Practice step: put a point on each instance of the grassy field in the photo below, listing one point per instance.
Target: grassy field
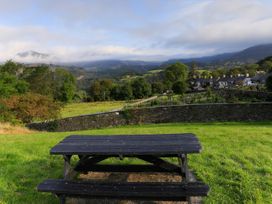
(75, 109)
(236, 161)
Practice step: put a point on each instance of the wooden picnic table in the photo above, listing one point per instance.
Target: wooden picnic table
(152, 149)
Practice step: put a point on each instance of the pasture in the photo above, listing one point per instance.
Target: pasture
(236, 160)
(75, 109)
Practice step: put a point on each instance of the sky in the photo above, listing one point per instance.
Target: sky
(151, 30)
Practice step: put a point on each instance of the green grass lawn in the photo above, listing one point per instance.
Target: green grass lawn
(75, 109)
(236, 161)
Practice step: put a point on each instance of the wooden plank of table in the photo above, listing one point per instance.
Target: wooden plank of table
(164, 144)
(140, 190)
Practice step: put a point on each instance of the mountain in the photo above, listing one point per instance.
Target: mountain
(33, 57)
(249, 55)
(102, 65)
(115, 68)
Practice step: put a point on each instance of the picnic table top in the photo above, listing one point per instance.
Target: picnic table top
(128, 145)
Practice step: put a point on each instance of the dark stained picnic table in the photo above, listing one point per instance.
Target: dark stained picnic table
(151, 148)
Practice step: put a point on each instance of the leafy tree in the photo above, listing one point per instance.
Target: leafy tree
(122, 92)
(141, 88)
(268, 83)
(157, 87)
(10, 67)
(57, 83)
(64, 84)
(106, 87)
(265, 64)
(176, 72)
(10, 85)
(41, 80)
(234, 71)
(216, 74)
(100, 90)
(251, 69)
(179, 87)
(193, 72)
(95, 90)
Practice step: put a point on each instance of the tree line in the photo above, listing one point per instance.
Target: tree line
(38, 93)
(174, 79)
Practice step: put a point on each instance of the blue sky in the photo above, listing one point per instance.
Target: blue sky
(74, 30)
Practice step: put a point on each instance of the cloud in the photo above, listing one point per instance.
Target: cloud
(132, 29)
(224, 25)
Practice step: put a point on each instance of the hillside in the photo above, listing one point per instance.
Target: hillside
(249, 55)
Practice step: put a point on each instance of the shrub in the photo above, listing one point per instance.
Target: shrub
(30, 106)
(6, 115)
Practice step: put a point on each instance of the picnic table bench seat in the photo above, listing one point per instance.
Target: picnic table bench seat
(162, 191)
(152, 149)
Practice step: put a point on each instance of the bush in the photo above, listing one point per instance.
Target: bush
(30, 106)
(6, 115)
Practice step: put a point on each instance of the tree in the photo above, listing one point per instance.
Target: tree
(10, 85)
(95, 91)
(100, 90)
(41, 80)
(234, 71)
(122, 92)
(10, 67)
(193, 72)
(268, 83)
(251, 69)
(266, 64)
(64, 84)
(216, 74)
(179, 87)
(106, 87)
(141, 88)
(176, 72)
(157, 87)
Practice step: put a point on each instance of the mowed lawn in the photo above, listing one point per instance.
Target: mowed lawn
(75, 109)
(236, 161)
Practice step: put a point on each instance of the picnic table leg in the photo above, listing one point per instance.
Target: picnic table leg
(185, 171)
(184, 167)
(62, 199)
(68, 172)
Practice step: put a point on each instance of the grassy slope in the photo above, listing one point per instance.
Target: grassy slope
(236, 161)
(75, 109)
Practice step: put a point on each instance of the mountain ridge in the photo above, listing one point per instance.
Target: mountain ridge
(248, 55)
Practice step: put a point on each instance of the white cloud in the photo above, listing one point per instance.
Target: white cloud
(157, 30)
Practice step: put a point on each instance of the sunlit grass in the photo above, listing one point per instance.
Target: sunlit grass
(75, 109)
(6, 128)
(236, 161)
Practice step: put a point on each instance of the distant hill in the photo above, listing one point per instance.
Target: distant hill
(249, 55)
(117, 68)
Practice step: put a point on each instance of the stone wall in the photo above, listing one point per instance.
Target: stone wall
(163, 114)
(259, 95)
